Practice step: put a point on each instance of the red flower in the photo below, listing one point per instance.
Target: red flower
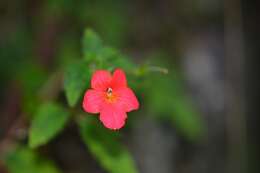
(111, 97)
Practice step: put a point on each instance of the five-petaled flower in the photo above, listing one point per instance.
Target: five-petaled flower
(111, 97)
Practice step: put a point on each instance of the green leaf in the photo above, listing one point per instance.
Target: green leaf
(109, 58)
(92, 44)
(121, 61)
(104, 145)
(24, 160)
(49, 120)
(103, 57)
(76, 80)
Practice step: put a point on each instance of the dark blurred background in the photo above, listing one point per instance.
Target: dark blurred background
(213, 43)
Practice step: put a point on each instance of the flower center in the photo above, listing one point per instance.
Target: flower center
(110, 96)
(109, 91)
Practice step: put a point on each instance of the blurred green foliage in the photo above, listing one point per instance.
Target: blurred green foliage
(106, 16)
(25, 160)
(15, 53)
(166, 99)
(31, 79)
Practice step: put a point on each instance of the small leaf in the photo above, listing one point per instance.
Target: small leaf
(76, 80)
(104, 145)
(124, 62)
(109, 58)
(24, 160)
(92, 44)
(48, 122)
(102, 56)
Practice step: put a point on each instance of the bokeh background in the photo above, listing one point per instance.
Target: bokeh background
(202, 50)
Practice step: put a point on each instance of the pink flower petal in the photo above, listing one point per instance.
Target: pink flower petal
(93, 100)
(100, 80)
(112, 117)
(126, 99)
(119, 79)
